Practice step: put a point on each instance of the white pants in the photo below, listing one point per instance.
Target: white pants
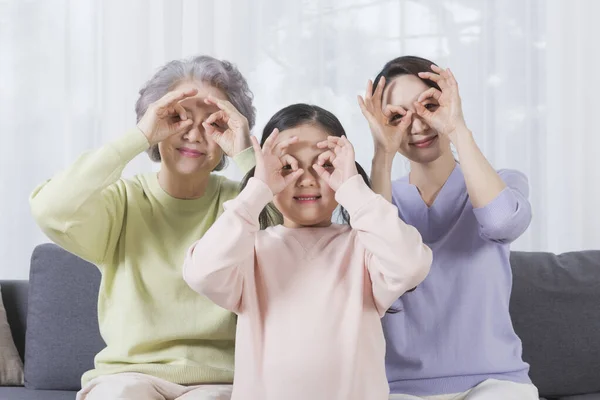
(491, 389)
(134, 386)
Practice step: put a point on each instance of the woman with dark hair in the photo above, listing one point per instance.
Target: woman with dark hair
(453, 338)
(309, 294)
(136, 232)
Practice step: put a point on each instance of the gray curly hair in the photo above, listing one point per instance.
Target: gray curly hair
(218, 73)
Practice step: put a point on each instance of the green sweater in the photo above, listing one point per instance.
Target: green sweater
(138, 235)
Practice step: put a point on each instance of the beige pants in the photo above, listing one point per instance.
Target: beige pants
(490, 389)
(134, 386)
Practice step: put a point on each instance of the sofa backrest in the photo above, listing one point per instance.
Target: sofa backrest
(555, 309)
(62, 335)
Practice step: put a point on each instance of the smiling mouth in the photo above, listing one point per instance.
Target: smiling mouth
(425, 142)
(190, 153)
(307, 199)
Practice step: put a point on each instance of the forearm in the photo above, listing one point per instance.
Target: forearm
(397, 246)
(482, 181)
(82, 208)
(381, 174)
(212, 265)
(66, 193)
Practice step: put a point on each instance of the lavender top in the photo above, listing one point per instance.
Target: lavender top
(454, 330)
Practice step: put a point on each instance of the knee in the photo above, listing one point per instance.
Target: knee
(120, 388)
(493, 389)
(208, 392)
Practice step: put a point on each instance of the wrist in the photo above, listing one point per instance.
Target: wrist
(461, 138)
(459, 132)
(382, 158)
(243, 144)
(350, 177)
(146, 132)
(273, 187)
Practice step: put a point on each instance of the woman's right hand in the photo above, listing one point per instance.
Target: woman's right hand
(387, 135)
(273, 166)
(166, 117)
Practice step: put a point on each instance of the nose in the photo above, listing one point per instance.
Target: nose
(308, 178)
(418, 125)
(196, 134)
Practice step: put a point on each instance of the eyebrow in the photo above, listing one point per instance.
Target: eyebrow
(385, 101)
(315, 158)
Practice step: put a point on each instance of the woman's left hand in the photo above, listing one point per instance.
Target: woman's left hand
(337, 164)
(228, 127)
(446, 117)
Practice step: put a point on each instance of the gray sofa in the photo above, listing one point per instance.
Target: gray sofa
(555, 306)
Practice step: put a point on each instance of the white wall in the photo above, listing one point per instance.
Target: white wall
(70, 72)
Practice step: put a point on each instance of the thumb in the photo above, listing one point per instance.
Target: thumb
(256, 145)
(213, 132)
(257, 152)
(422, 111)
(208, 128)
(322, 172)
(366, 113)
(293, 176)
(406, 121)
(183, 125)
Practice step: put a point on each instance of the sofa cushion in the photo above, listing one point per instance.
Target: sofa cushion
(62, 321)
(11, 366)
(21, 393)
(555, 309)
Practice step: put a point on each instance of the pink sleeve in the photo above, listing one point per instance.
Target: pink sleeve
(214, 266)
(396, 259)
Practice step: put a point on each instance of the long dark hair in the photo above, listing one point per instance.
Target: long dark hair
(405, 65)
(288, 118)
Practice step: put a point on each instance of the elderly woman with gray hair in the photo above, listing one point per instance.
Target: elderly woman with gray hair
(163, 341)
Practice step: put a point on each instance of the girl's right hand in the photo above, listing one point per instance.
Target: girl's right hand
(166, 117)
(273, 166)
(387, 134)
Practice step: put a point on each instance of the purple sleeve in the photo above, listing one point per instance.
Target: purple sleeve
(509, 214)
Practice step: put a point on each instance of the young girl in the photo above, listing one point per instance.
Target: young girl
(309, 294)
(454, 338)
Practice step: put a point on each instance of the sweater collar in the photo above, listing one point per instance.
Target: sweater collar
(435, 220)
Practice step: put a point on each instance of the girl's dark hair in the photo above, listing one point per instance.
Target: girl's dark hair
(405, 65)
(288, 118)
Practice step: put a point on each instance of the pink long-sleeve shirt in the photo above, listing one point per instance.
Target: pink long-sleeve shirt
(309, 300)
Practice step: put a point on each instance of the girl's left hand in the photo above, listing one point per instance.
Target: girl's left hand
(228, 127)
(446, 117)
(336, 165)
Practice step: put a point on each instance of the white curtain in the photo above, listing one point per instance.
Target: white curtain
(70, 71)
